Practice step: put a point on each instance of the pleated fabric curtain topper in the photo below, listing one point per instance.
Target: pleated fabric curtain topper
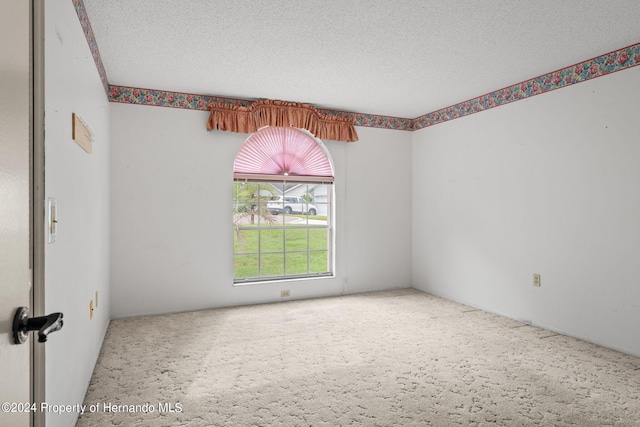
(233, 118)
(282, 154)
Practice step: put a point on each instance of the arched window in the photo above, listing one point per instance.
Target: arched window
(282, 207)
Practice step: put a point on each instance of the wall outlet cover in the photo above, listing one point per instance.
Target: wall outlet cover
(536, 280)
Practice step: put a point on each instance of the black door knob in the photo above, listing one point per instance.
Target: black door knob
(44, 325)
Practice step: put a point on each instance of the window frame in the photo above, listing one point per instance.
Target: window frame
(281, 155)
(262, 278)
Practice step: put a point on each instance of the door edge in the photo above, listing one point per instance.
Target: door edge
(38, 365)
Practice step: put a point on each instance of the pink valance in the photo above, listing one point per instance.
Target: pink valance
(262, 113)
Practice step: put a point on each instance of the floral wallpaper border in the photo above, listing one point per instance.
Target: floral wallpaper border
(163, 98)
(596, 67)
(91, 41)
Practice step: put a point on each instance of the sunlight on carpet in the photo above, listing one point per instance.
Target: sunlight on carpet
(388, 358)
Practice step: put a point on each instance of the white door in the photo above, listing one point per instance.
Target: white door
(15, 275)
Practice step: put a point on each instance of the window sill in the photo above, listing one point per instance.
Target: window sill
(284, 280)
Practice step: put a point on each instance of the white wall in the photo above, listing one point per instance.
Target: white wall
(171, 200)
(548, 185)
(77, 264)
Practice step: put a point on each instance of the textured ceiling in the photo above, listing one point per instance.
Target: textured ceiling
(388, 57)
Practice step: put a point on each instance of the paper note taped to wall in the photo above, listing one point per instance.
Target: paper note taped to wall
(81, 133)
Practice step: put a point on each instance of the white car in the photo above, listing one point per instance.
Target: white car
(290, 205)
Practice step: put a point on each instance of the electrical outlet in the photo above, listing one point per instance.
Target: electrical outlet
(536, 280)
(285, 294)
(91, 310)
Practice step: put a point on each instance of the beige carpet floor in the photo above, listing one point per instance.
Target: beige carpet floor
(397, 358)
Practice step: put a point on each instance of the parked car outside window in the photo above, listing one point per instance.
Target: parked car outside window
(289, 205)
